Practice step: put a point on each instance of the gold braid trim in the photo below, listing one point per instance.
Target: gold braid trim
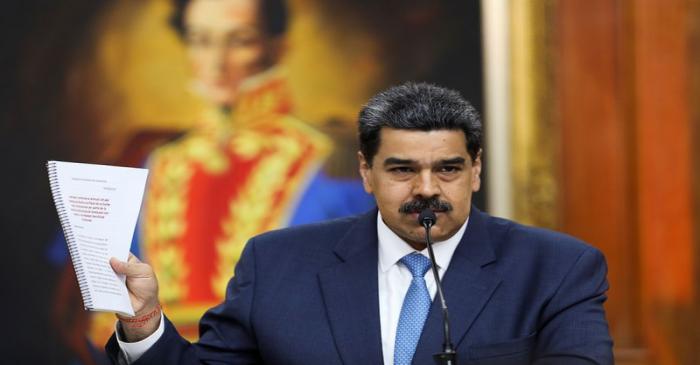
(270, 178)
(166, 203)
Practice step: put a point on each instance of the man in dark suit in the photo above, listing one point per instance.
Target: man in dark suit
(354, 290)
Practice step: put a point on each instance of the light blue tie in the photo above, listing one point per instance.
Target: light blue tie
(414, 310)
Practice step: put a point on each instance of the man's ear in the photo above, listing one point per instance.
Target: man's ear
(365, 172)
(476, 172)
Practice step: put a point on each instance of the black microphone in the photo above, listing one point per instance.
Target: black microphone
(448, 356)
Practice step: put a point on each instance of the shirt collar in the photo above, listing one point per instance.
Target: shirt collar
(392, 247)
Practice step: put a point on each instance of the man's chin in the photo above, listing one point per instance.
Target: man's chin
(438, 234)
(412, 236)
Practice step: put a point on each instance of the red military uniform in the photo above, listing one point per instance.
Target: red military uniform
(210, 191)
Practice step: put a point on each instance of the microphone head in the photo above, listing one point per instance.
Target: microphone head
(427, 217)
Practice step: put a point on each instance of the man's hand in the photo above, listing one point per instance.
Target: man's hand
(143, 291)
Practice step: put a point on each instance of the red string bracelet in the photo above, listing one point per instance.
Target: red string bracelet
(141, 320)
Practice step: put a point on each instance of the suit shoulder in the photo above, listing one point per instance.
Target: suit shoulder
(543, 256)
(528, 240)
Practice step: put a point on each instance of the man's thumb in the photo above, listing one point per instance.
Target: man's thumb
(120, 267)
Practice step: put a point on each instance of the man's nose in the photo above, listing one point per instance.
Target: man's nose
(218, 59)
(426, 185)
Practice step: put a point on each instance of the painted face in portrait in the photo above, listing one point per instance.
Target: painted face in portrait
(411, 167)
(226, 44)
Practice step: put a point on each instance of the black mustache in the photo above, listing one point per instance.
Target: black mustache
(417, 206)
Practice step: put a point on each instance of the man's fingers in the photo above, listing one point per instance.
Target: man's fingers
(133, 268)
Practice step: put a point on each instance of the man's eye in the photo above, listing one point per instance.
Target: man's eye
(401, 170)
(450, 169)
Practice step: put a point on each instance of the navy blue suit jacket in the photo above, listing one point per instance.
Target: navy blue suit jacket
(308, 295)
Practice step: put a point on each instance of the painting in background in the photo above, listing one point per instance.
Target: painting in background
(112, 82)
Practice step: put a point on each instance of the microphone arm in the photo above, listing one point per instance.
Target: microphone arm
(448, 356)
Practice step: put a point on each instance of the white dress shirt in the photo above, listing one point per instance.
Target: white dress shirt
(394, 280)
(132, 351)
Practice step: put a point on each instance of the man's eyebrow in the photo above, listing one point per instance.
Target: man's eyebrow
(453, 161)
(398, 161)
(404, 161)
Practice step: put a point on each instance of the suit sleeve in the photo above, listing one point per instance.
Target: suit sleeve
(573, 328)
(226, 333)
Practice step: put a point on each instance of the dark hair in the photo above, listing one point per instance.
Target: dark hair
(418, 106)
(273, 14)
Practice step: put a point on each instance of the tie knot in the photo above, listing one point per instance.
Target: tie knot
(416, 263)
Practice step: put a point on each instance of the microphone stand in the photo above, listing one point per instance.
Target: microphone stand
(448, 356)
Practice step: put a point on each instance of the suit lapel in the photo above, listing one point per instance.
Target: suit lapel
(467, 288)
(350, 289)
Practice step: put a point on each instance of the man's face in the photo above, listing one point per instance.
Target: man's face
(412, 166)
(226, 44)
